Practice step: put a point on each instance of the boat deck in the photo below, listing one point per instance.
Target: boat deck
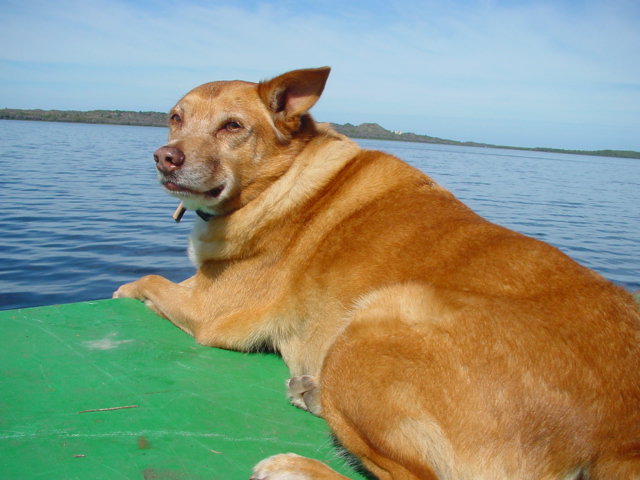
(108, 390)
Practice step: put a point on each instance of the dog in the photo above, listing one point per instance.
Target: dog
(436, 345)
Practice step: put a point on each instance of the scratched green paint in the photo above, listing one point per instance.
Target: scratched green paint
(198, 412)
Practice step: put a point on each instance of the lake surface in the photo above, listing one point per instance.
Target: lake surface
(82, 213)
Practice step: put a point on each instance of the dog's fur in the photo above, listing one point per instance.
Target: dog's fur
(436, 344)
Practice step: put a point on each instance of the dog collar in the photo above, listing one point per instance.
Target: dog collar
(178, 214)
(204, 215)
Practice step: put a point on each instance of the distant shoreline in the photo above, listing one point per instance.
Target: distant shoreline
(371, 131)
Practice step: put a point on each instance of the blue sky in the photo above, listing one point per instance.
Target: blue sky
(554, 73)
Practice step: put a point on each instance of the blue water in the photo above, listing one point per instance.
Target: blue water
(81, 212)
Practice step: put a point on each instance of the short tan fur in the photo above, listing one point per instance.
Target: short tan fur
(436, 344)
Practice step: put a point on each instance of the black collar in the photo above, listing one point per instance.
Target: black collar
(204, 215)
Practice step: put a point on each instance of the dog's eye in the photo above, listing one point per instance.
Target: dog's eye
(232, 126)
(176, 118)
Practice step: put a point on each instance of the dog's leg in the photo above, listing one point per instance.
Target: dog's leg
(289, 466)
(304, 393)
(170, 300)
(190, 310)
(189, 282)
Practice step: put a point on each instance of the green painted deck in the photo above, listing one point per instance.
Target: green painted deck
(192, 412)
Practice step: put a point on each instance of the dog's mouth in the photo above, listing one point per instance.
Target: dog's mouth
(180, 189)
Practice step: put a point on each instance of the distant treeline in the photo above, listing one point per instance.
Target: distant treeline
(375, 131)
(365, 130)
(115, 117)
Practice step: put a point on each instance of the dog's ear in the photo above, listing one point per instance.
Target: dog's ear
(294, 93)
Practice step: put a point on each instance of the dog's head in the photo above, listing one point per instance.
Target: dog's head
(228, 141)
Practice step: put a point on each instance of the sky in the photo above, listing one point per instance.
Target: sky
(554, 73)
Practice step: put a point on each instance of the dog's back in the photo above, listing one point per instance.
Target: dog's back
(490, 355)
(473, 352)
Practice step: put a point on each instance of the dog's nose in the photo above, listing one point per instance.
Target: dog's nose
(168, 159)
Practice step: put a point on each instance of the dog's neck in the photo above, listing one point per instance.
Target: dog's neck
(223, 237)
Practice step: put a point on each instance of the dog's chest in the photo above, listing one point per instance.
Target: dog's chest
(196, 246)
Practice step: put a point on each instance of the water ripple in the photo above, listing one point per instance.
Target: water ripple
(76, 228)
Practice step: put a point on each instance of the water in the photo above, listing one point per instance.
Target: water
(82, 212)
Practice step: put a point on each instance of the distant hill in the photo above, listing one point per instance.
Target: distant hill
(364, 130)
(375, 131)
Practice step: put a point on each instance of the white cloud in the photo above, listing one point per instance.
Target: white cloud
(476, 62)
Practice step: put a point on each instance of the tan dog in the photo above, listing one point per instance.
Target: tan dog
(437, 345)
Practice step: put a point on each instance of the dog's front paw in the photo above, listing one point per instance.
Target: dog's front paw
(289, 466)
(304, 393)
(128, 290)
